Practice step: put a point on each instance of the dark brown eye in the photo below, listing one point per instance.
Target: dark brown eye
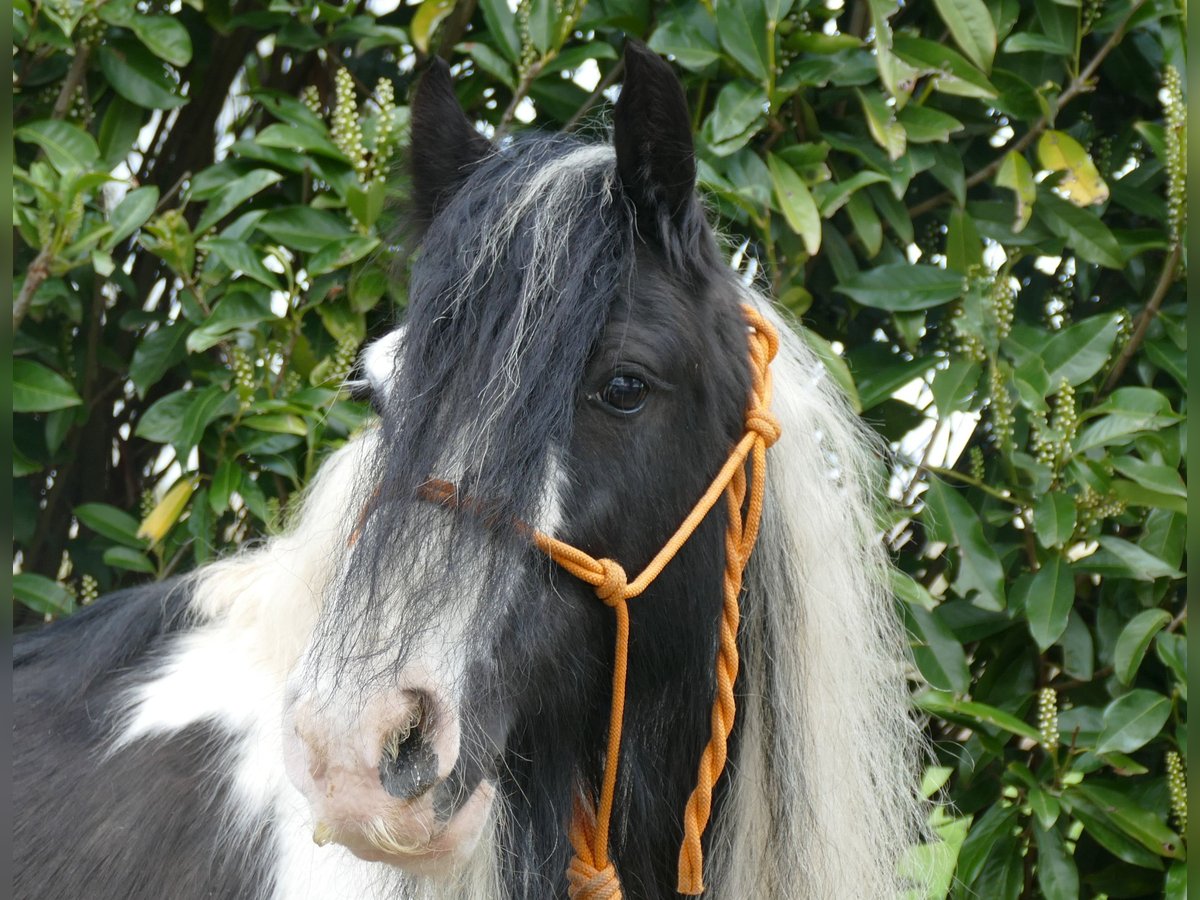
(625, 393)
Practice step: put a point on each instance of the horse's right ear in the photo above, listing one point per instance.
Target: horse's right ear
(445, 145)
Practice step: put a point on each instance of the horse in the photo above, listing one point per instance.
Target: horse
(401, 695)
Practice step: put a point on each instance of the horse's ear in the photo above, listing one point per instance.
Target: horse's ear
(652, 131)
(445, 145)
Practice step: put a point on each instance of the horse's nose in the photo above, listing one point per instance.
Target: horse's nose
(355, 768)
(408, 766)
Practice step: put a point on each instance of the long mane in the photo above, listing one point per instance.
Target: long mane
(823, 800)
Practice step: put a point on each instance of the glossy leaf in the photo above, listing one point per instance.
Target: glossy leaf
(902, 288)
(1133, 719)
(36, 388)
(1050, 598)
(796, 203)
(1135, 641)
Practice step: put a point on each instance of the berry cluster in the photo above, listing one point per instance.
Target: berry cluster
(1048, 718)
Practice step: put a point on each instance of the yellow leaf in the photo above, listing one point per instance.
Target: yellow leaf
(426, 21)
(1016, 175)
(1059, 152)
(156, 525)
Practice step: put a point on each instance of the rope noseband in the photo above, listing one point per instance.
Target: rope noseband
(591, 875)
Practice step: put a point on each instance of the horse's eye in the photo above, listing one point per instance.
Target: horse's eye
(625, 393)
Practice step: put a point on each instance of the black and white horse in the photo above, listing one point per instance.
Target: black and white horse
(398, 699)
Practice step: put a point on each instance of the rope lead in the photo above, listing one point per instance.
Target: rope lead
(591, 875)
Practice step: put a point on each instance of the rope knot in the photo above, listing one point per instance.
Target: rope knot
(586, 882)
(763, 423)
(612, 589)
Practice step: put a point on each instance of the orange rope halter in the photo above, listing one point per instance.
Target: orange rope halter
(591, 875)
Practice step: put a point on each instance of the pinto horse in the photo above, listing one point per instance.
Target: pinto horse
(406, 698)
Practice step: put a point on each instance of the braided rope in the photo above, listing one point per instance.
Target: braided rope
(590, 875)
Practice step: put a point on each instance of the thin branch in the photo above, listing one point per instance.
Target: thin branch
(37, 272)
(519, 94)
(74, 77)
(603, 85)
(955, 475)
(1080, 84)
(1165, 279)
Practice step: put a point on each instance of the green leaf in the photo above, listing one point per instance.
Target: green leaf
(277, 423)
(954, 386)
(306, 139)
(128, 558)
(180, 418)
(225, 482)
(138, 76)
(1051, 596)
(1082, 230)
(1057, 874)
(901, 287)
(689, 35)
(1176, 884)
(972, 27)
(1120, 558)
(1135, 640)
(1160, 478)
(234, 312)
(866, 224)
(796, 203)
(1132, 721)
(951, 72)
(941, 704)
(69, 148)
(303, 227)
(951, 520)
(936, 651)
(1098, 822)
(501, 24)
(234, 195)
(242, 257)
(163, 36)
(1172, 650)
(1079, 352)
(155, 354)
(964, 249)
(36, 388)
(743, 31)
(924, 124)
(736, 116)
(340, 253)
(881, 122)
(1016, 175)
(1054, 519)
(111, 522)
(986, 832)
(131, 213)
(41, 594)
(1130, 815)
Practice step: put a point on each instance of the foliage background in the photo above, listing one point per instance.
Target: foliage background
(976, 206)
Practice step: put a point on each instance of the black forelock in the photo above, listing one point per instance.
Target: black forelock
(511, 285)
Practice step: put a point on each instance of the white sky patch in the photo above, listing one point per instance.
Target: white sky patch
(525, 111)
(587, 76)
(379, 8)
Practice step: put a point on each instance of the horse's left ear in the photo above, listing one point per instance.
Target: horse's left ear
(445, 145)
(652, 132)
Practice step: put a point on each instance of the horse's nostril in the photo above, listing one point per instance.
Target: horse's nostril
(408, 767)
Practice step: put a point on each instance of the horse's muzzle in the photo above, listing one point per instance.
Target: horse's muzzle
(388, 783)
